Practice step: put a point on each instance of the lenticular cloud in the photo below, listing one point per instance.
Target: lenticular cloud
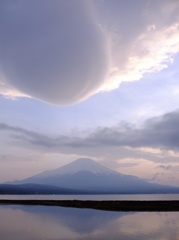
(52, 50)
(64, 51)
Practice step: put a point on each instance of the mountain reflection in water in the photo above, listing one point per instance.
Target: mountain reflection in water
(55, 223)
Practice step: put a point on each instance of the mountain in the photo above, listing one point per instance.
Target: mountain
(88, 176)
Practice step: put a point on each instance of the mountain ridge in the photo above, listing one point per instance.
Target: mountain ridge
(88, 176)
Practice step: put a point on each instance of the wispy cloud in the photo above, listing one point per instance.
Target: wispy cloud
(164, 167)
(151, 52)
(160, 132)
(140, 41)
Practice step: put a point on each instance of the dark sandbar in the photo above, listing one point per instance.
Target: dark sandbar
(139, 206)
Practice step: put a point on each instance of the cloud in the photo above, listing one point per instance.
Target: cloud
(63, 52)
(141, 43)
(168, 167)
(157, 134)
(127, 149)
(52, 50)
(8, 91)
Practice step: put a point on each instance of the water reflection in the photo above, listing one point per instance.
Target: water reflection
(52, 223)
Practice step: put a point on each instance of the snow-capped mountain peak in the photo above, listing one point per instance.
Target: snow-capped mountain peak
(88, 176)
(80, 165)
(84, 164)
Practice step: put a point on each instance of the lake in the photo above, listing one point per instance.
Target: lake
(19, 222)
(96, 197)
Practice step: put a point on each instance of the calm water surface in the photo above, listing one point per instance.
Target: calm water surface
(55, 223)
(96, 197)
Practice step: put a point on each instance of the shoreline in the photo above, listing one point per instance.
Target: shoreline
(120, 206)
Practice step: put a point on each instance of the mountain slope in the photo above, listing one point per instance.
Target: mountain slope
(87, 175)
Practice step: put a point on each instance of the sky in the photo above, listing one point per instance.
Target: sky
(95, 79)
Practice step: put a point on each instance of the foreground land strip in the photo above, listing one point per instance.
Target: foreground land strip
(139, 206)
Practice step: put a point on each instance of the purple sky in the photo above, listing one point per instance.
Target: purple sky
(96, 79)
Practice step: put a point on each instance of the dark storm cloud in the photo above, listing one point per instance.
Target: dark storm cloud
(52, 50)
(159, 132)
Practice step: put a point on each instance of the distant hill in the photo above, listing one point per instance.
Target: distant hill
(86, 176)
(29, 188)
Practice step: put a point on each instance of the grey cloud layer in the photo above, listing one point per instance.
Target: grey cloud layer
(157, 132)
(52, 50)
(160, 132)
(64, 51)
